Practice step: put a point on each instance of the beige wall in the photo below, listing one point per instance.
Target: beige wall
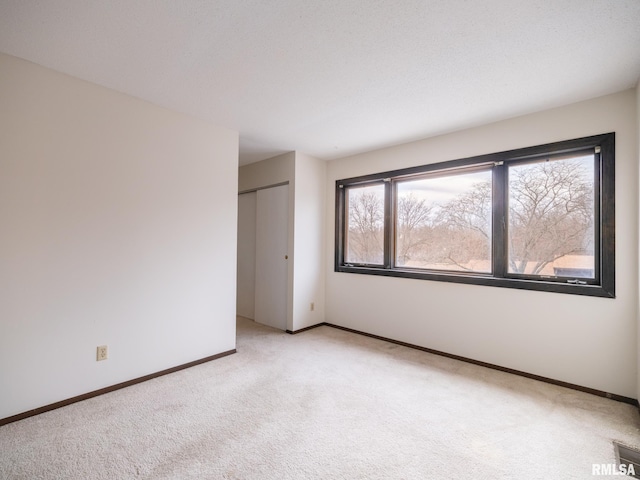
(267, 173)
(582, 340)
(309, 241)
(118, 227)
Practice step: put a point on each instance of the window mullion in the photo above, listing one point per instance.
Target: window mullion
(388, 223)
(341, 208)
(499, 221)
(607, 214)
(597, 230)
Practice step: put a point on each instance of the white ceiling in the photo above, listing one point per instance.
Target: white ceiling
(335, 77)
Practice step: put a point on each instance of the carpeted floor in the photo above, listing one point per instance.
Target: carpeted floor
(323, 404)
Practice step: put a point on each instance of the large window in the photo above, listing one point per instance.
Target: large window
(539, 218)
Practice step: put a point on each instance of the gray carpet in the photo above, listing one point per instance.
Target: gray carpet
(323, 404)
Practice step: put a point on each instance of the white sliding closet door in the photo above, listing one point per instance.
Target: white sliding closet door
(246, 272)
(272, 223)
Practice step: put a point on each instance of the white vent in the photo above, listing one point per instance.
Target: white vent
(628, 456)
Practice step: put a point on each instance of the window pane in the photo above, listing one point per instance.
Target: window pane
(551, 217)
(444, 222)
(365, 225)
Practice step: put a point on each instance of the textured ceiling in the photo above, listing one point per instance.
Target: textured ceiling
(336, 77)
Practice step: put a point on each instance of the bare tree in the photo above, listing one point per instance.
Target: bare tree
(470, 210)
(550, 214)
(466, 225)
(413, 227)
(365, 228)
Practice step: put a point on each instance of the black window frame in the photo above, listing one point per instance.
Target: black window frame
(603, 285)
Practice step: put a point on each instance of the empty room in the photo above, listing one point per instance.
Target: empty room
(342, 239)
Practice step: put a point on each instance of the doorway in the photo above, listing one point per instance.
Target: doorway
(262, 270)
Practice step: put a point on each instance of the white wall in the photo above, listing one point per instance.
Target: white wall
(582, 340)
(310, 181)
(306, 176)
(118, 227)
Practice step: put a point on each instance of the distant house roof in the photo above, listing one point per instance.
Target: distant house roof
(574, 261)
(565, 263)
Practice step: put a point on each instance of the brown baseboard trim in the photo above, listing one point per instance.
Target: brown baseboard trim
(294, 332)
(599, 393)
(118, 386)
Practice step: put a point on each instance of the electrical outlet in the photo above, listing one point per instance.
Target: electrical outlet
(312, 306)
(101, 353)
